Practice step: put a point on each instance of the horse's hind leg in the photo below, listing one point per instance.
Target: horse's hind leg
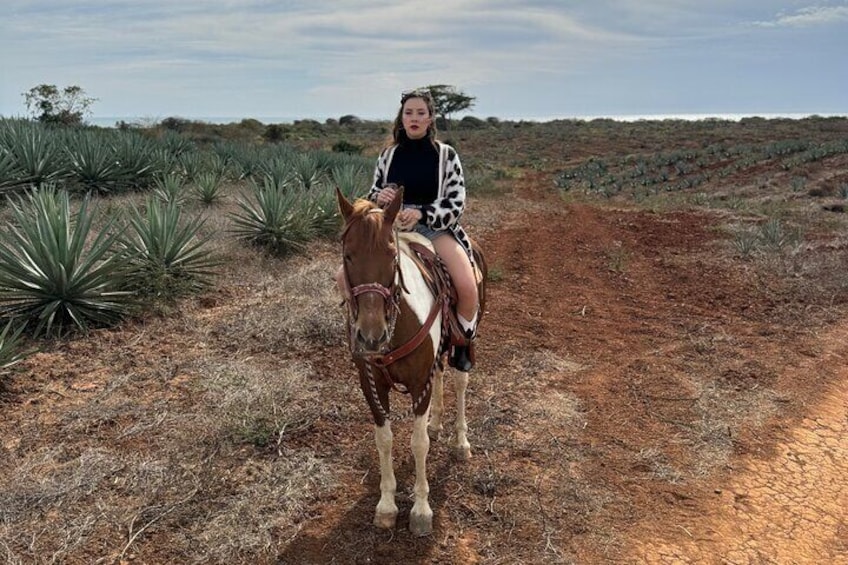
(387, 510)
(462, 449)
(421, 515)
(437, 405)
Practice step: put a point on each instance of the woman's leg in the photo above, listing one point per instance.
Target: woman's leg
(462, 274)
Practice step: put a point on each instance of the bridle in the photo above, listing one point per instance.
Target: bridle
(391, 294)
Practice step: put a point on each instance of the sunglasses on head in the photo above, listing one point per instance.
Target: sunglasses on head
(416, 93)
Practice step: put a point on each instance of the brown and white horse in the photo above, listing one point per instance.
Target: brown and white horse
(398, 341)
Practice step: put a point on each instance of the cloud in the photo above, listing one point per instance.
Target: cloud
(316, 57)
(808, 17)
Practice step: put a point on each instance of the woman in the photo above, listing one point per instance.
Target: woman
(434, 199)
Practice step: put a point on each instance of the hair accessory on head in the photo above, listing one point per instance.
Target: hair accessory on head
(415, 93)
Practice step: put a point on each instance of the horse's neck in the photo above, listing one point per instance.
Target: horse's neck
(420, 299)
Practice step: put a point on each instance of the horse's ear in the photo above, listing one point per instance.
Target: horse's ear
(345, 207)
(394, 206)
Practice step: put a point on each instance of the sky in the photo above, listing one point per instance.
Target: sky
(528, 59)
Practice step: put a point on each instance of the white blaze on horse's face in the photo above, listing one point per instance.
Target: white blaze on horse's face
(371, 272)
(371, 267)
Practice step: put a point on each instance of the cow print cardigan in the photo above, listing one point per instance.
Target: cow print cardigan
(444, 213)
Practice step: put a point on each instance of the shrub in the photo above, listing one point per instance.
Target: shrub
(349, 119)
(343, 146)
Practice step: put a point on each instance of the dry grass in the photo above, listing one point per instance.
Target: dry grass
(149, 465)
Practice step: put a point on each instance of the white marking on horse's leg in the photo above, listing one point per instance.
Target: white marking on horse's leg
(421, 515)
(462, 448)
(437, 405)
(387, 510)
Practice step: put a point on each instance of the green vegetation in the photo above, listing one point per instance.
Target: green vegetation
(274, 216)
(10, 344)
(56, 271)
(67, 107)
(166, 256)
(684, 169)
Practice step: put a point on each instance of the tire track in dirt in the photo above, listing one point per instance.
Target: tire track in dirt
(790, 508)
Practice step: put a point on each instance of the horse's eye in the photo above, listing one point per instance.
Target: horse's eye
(347, 258)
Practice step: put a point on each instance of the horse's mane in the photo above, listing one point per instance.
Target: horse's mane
(369, 219)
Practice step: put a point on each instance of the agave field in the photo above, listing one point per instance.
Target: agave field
(104, 223)
(643, 175)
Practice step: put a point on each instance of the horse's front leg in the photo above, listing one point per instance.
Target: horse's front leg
(462, 449)
(387, 510)
(421, 515)
(437, 405)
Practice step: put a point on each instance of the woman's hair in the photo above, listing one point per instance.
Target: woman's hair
(398, 133)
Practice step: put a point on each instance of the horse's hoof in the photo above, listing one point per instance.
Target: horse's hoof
(462, 452)
(385, 520)
(421, 524)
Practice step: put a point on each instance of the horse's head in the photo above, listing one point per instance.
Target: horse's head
(370, 263)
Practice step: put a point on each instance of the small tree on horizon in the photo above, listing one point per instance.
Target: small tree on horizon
(48, 104)
(448, 100)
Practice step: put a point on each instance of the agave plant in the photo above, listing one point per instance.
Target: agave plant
(274, 216)
(167, 255)
(93, 162)
(10, 340)
(170, 189)
(208, 188)
(50, 275)
(191, 164)
(9, 173)
(307, 170)
(351, 179)
(136, 160)
(37, 154)
(321, 206)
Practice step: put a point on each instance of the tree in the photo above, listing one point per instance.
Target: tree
(448, 100)
(50, 105)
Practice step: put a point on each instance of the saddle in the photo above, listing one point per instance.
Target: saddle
(438, 280)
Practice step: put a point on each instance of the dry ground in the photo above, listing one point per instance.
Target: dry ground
(643, 394)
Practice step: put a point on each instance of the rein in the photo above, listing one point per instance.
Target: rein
(392, 298)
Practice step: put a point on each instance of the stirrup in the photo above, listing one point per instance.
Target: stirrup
(462, 354)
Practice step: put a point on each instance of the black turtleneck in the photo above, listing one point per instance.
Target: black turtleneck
(415, 167)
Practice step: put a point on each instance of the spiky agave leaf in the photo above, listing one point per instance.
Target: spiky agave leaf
(50, 275)
(274, 216)
(93, 162)
(37, 154)
(10, 341)
(167, 255)
(208, 187)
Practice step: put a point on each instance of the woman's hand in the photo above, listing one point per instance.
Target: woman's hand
(386, 195)
(407, 218)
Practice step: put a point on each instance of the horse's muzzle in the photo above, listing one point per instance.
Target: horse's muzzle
(368, 345)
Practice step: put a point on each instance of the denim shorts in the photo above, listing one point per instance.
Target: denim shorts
(428, 232)
(425, 230)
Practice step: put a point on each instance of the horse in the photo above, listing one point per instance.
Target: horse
(399, 340)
